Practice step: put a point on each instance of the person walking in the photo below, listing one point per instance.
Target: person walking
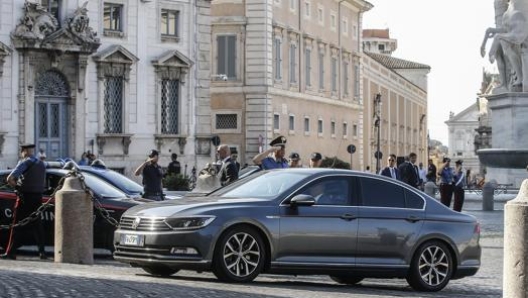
(273, 158)
(446, 182)
(174, 167)
(422, 174)
(390, 170)
(409, 171)
(30, 175)
(228, 169)
(295, 160)
(460, 184)
(152, 177)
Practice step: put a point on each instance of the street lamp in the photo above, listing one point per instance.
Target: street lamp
(377, 124)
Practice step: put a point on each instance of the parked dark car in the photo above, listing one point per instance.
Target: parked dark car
(111, 199)
(349, 225)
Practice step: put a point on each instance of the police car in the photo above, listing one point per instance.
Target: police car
(113, 200)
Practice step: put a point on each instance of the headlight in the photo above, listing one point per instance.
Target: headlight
(184, 223)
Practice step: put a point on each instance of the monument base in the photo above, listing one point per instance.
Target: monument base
(507, 176)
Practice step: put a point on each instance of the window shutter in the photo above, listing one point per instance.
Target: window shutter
(221, 54)
(231, 56)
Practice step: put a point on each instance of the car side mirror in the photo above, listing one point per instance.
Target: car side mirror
(302, 200)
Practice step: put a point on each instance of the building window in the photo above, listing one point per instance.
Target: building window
(52, 6)
(170, 20)
(381, 48)
(320, 126)
(308, 66)
(113, 104)
(293, 68)
(226, 62)
(276, 121)
(292, 5)
(170, 102)
(306, 125)
(355, 130)
(333, 128)
(355, 31)
(345, 78)
(345, 26)
(278, 59)
(320, 15)
(291, 123)
(333, 22)
(356, 80)
(345, 129)
(307, 9)
(321, 71)
(226, 121)
(334, 74)
(113, 17)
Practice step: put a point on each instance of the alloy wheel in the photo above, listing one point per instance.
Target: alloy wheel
(241, 254)
(434, 266)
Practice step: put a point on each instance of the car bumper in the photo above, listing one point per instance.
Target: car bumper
(166, 248)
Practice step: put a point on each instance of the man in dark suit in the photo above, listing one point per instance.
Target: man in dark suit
(390, 170)
(409, 171)
(228, 169)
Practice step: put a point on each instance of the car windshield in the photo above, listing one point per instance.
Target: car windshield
(102, 188)
(122, 182)
(268, 185)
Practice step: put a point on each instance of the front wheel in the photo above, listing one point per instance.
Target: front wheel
(431, 267)
(239, 255)
(160, 270)
(347, 280)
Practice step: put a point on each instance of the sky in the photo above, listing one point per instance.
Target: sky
(446, 35)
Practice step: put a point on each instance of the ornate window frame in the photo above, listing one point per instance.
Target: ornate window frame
(171, 65)
(4, 52)
(114, 61)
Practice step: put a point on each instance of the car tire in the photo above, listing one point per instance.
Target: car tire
(239, 256)
(346, 280)
(431, 267)
(160, 270)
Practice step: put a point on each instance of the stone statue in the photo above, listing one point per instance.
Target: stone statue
(37, 23)
(78, 25)
(509, 44)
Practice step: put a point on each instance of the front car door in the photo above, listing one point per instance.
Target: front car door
(324, 233)
(390, 219)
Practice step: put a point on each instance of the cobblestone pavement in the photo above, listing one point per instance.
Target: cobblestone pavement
(30, 277)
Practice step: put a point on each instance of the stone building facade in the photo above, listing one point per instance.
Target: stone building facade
(291, 68)
(116, 77)
(402, 86)
(462, 132)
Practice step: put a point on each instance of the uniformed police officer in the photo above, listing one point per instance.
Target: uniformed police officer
(273, 158)
(30, 176)
(152, 177)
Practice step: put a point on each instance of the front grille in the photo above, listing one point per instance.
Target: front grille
(145, 224)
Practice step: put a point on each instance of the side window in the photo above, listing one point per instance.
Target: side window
(379, 193)
(52, 181)
(329, 191)
(413, 201)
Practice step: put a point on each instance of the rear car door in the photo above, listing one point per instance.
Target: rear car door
(324, 233)
(390, 219)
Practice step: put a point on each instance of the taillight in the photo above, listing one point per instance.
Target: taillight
(477, 228)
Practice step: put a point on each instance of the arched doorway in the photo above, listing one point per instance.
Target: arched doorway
(51, 114)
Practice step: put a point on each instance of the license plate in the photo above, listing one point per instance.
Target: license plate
(133, 240)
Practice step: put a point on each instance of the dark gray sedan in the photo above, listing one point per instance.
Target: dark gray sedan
(349, 225)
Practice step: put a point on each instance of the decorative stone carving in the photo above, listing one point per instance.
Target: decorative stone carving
(4, 51)
(52, 83)
(124, 139)
(162, 139)
(114, 61)
(36, 24)
(203, 145)
(78, 26)
(172, 65)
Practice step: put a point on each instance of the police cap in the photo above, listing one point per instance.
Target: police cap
(153, 153)
(316, 156)
(26, 146)
(458, 162)
(294, 156)
(278, 141)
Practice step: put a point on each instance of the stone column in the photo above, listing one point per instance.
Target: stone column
(515, 282)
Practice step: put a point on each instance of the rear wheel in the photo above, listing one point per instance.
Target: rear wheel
(160, 270)
(239, 255)
(431, 267)
(346, 280)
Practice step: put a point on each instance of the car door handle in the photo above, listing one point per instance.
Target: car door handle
(413, 218)
(348, 216)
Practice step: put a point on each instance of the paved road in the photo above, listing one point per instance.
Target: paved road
(30, 277)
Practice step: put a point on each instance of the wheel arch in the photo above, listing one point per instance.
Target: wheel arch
(448, 243)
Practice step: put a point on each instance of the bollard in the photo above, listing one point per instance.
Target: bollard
(429, 188)
(488, 191)
(73, 224)
(515, 280)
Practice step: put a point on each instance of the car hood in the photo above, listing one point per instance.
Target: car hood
(171, 207)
